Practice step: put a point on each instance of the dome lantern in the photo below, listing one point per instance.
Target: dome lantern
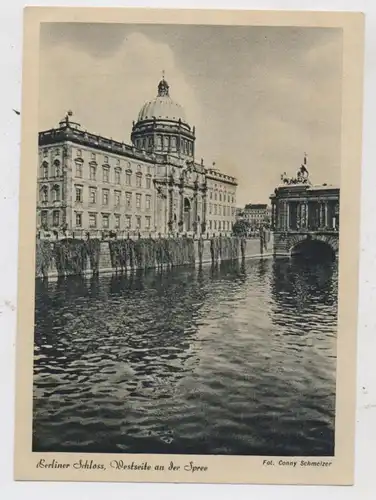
(163, 88)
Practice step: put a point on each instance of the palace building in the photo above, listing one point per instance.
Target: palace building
(90, 183)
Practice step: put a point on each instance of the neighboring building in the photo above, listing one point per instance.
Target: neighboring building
(305, 220)
(305, 207)
(221, 203)
(298, 205)
(89, 183)
(305, 217)
(256, 214)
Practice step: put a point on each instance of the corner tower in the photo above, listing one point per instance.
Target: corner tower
(162, 127)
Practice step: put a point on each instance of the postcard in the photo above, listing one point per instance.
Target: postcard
(189, 243)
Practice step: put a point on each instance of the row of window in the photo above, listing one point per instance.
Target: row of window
(93, 157)
(93, 197)
(221, 210)
(105, 175)
(55, 193)
(55, 218)
(222, 197)
(117, 176)
(165, 143)
(56, 170)
(224, 225)
(55, 152)
(105, 221)
(128, 220)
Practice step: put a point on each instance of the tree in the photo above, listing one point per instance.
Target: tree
(241, 227)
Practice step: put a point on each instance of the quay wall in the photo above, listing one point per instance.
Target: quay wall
(74, 257)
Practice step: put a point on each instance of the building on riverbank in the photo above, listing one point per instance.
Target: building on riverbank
(90, 183)
(256, 214)
(305, 217)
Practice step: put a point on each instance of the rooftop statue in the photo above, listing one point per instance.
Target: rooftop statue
(302, 175)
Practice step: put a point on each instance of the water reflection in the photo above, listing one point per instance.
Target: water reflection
(237, 358)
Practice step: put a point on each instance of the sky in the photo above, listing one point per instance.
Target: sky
(259, 97)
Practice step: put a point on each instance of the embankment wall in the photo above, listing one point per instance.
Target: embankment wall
(74, 257)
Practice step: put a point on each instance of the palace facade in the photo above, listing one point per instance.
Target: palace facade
(89, 183)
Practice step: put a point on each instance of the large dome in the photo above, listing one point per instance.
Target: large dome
(162, 107)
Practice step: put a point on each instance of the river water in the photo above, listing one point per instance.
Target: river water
(238, 359)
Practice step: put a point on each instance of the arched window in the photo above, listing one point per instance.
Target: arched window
(56, 193)
(57, 168)
(44, 193)
(45, 170)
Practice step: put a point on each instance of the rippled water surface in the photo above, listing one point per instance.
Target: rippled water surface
(238, 359)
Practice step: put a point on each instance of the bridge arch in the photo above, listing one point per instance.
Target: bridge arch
(314, 247)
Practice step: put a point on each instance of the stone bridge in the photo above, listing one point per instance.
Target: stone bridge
(293, 242)
(305, 220)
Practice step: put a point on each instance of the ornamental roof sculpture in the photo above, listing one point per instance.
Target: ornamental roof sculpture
(302, 175)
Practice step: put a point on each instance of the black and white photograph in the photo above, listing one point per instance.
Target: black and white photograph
(187, 242)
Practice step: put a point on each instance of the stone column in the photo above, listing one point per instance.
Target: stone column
(277, 222)
(204, 208)
(331, 221)
(298, 215)
(321, 214)
(287, 215)
(195, 210)
(272, 215)
(170, 207)
(181, 216)
(326, 222)
(306, 214)
(315, 216)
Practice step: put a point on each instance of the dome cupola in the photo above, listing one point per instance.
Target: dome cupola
(162, 126)
(162, 107)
